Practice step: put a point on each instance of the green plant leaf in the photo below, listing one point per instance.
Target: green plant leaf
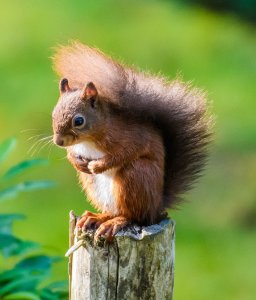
(34, 265)
(23, 166)
(12, 192)
(46, 294)
(6, 221)
(7, 240)
(11, 245)
(58, 286)
(9, 193)
(37, 262)
(22, 248)
(11, 275)
(21, 296)
(6, 147)
(56, 290)
(27, 283)
(36, 185)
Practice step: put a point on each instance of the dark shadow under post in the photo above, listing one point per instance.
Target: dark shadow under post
(139, 264)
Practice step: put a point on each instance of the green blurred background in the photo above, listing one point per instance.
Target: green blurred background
(216, 236)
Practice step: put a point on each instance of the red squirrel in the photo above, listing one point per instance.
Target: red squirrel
(137, 141)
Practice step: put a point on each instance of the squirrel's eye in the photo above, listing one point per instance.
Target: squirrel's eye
(78, 121)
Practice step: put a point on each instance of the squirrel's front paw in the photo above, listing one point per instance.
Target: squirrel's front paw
(96, 166)
(81, 164)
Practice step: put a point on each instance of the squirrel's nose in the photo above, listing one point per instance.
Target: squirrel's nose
(59, 140)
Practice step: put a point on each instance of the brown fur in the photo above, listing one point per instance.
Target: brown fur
(137, 150)
(154, 131)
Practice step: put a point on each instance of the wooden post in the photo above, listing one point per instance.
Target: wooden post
(139, 264)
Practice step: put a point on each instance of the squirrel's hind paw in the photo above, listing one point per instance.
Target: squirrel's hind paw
(109, 228)
(89, 220)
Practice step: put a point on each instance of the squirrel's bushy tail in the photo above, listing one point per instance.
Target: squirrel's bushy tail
(177, 109)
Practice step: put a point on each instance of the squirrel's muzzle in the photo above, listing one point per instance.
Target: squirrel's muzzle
(59, 140)
(63, 140)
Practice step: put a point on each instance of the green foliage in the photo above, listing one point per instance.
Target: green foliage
(23, 166)
(11, 245)
(7, 220)
(27, 275)
(21, 295)
(6, 147)
(243, 8)
(25, 279)
(13, 191)
(54, 291)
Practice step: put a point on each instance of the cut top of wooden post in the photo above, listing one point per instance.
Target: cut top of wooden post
(138, 264)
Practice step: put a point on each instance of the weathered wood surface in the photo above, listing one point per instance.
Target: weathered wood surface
(139, 264)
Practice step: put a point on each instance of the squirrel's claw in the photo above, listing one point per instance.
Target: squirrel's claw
(109, 228)
(82, 165)
(90, 219)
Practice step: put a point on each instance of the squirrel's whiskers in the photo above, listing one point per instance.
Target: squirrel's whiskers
(44, 144)
(30, 129)
(39, 144)
(36, 136)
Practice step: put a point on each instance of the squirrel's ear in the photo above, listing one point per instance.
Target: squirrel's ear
(64, 87)
(89, 91)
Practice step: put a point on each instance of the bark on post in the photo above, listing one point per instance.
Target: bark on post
(139, 264)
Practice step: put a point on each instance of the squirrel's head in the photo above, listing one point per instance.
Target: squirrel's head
(76, 114)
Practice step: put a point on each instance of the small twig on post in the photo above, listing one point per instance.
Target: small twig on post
(138, 264)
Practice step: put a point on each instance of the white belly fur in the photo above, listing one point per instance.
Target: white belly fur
(102, 183)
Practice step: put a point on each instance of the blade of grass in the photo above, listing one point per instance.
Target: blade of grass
(23, 166)
(13, 191)
(6, 147)
(21, 295)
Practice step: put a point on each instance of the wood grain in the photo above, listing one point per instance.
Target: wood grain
(138, 264)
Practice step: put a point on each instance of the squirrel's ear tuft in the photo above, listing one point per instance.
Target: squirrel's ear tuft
(64, 87)
(89, 91)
